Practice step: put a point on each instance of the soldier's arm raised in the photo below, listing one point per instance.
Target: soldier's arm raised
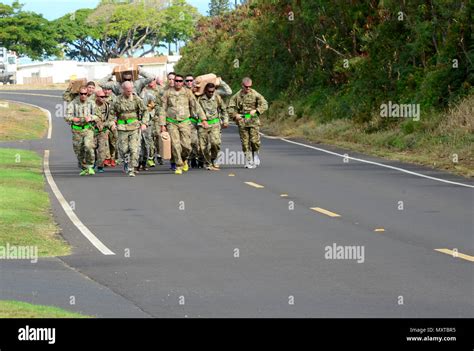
(224, 89)
(148, 76)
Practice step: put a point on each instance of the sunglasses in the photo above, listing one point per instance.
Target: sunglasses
(178, 81)
(101, 96)
(82, 93)
(189, 80)
(247, 86)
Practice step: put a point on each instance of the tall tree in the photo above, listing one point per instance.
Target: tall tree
(117, 28)
(27, 33)
(218, 7)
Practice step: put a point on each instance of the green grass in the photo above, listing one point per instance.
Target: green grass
(18, 309)
(21, 122)
(25, 211)
(435, 141)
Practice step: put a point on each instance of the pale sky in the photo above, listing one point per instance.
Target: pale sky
(52, 9)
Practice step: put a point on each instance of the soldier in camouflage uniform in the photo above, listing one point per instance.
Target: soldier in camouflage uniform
(129, 113)
(113, 134)
(102, 130)
(178, 105)
(80, 114)
(210, 132)
(195, 155)
(154, 106)
(245, 107)
(138, 85)
(69, 96)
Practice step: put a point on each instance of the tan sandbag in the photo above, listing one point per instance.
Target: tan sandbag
(165, 146)
(201, 81)
(76, 84)
(124, 68)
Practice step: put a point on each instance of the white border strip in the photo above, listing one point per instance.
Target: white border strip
(69, 212)
(48, 114)
(370, 162)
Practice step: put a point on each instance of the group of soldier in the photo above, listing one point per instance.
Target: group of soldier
(122, 122)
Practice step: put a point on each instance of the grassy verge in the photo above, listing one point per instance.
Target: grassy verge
(21, 122)
(17, 309)
(25, 211)
(441, 140)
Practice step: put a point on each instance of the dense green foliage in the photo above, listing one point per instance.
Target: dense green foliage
(341, 59)
(27, 33)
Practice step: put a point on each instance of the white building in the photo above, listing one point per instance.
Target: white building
(61, 71)
(49, 72)
(158, 65)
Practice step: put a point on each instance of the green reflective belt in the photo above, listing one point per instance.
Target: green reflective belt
(194, 120)
(248, 116)
(128, 121)
(213, 121)
(171, 120)
(76, 127)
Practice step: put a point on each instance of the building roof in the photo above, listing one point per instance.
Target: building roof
(140, 60)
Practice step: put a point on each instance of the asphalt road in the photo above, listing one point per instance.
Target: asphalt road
(207, 244)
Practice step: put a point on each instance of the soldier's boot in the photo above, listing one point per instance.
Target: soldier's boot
(84, 172)
(173, 166)
(193, 163)
(131, 173)
(185, 166)
(100, 169)
(150, 162)
(112, 163)
(160, 160)
(90, 170)
(249, 162)
(200, 163)
(125, 167)
(215, 164)
(178, 171)
(256, 159)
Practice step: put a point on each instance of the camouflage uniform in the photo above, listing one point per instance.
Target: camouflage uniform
(82, 132)
(102, 133)
(242, 104)
(116, 87)
(210, 138)
(113, 134)
(129, 114)
(177, 108)
(195, 154)
(154, 106)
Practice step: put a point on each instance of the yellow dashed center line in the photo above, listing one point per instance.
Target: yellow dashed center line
(231, 175)
(379, 230)
(326, 212)
(456, 254)
(284, 195)
(255, 185)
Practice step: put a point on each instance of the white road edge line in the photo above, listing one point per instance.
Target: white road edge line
(48, 114)
(369, 162)
(69, 212)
